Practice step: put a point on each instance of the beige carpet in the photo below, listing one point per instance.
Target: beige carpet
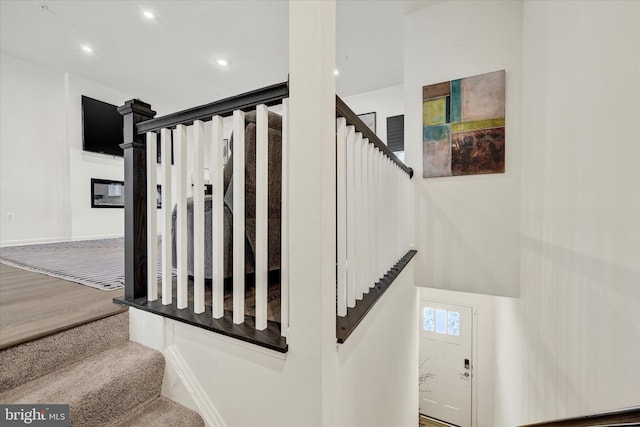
(103, 377)
(28, 361)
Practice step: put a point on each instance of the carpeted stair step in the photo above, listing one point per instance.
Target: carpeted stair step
(100, 388)
(28, 361)
(160, 412)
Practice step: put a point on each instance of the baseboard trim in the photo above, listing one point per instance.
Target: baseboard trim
(206, 408)
(23, 242)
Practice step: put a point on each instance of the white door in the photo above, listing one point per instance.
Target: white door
(446, 362)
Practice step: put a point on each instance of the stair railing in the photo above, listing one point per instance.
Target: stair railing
(373, 241)
(186, 131)
(615, 418)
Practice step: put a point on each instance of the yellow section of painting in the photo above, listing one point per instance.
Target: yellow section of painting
(434, 112)
(478, 124)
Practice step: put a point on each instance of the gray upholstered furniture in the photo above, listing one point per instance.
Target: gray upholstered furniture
(275, 185)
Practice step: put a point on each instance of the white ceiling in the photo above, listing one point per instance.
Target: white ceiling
(171, 59)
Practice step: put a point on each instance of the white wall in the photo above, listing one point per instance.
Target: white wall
(378, 364)
(568, 345)
(467, 226)
(45, 175)
(248, 386)
(33, 153)
(577, 323)
(374, 374)
(387, 102)
(87, 222)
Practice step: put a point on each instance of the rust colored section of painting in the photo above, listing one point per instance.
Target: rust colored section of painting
(477, 152)
(436, 91)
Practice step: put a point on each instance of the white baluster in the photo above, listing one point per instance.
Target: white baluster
(377, 185)
(180, 147)
(341, 204)
(352, 264)
(372, 232)
(359, 200)
(375, 214)
(401, 211)
(394, 209)
(386, 242)
(152, 217)
(198, 217)
(401, 207)
(380, 210)
(167, 262)
(366, 219)
(407, 187)
(238, 217)
(393, 206)
(397, 200)
(387, 204)
(217, 218)
(262, 215)
(284, 228)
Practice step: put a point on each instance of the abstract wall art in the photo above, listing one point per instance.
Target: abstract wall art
(463, 126)
(369, 119)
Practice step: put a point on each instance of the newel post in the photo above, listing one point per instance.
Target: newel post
(135, 111)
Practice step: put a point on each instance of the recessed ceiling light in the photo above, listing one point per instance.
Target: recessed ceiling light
(148, 14)
(87, 48)
(222, 62)
(336, 72)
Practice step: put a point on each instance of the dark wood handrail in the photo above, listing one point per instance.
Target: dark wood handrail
(343, 110)
(347, 324)
(618, 417)
(269, 95)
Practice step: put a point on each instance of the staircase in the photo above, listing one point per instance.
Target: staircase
(105, 378)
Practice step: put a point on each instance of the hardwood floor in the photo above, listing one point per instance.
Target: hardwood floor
(428, 422)
(33, 305)
(273, 295)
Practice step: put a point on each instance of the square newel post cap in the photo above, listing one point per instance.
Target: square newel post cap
(138, 107)
(133, 112)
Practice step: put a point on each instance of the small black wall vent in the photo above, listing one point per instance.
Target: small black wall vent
(395, 133)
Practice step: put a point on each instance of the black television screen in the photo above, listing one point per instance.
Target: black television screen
(101, 127)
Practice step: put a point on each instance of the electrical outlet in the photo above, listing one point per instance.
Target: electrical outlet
(11, 216)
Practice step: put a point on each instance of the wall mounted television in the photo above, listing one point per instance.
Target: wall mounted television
(101, 127)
